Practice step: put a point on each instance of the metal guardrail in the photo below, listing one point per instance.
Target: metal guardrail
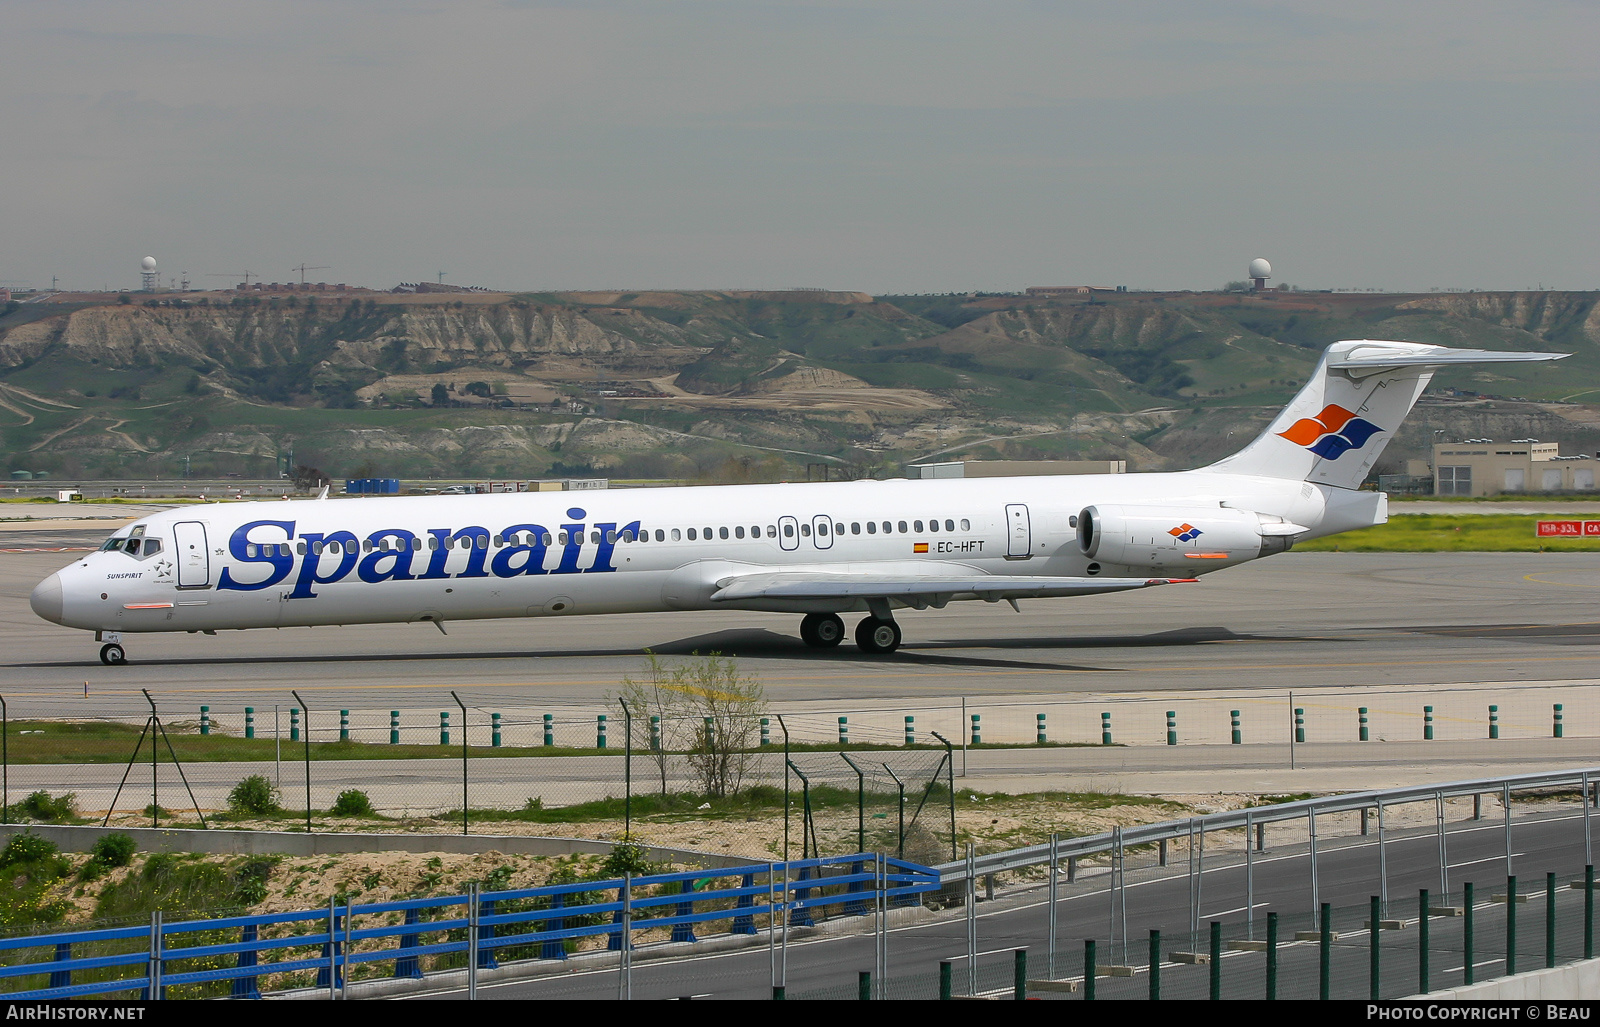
(782, 891)
(1087, 845)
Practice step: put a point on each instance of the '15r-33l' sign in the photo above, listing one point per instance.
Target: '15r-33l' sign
(1569, 529)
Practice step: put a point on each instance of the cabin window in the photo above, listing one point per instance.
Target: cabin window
(316, 549)
(872, 527)
(822, 529)
(788, 531)
(949, 525)
(661, 536)
(483, 541)
(300, 547)
(738, 531)
(933, 525)
(805, 530)
(1072, 522)
(708, 534)
(887, 528)
(693, 535)
(917, 525)
(772, 531)
(611, 536)
(902, 527)
(675, 534)
(499, 541)
(249, 548)
(755, 531)
(722, 532)
(966, 525)
(855, 527)
(838, 529)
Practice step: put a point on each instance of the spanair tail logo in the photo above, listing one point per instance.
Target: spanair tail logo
(1332, 433)
(1185, 532)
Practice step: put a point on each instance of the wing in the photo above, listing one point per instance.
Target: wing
(934, 591)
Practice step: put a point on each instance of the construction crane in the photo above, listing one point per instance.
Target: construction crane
(303, 268)
(246, 275)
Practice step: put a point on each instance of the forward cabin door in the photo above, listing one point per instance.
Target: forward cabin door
(194, 558)
(788, 533)
(822, 531)
(1019, 535)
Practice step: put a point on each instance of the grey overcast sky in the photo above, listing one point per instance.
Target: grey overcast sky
(917, 146)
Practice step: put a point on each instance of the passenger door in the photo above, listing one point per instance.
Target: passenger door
(1019, 535)
(822, 531)
(788, 533)
(190, 551)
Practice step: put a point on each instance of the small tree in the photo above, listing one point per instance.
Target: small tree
(709, 711)
(441, 395)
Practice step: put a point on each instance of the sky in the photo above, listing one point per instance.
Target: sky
(891, 146)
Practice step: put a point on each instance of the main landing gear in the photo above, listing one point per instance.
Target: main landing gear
(873, 634)
(112, 655)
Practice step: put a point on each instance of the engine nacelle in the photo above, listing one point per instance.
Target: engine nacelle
(1172, 537)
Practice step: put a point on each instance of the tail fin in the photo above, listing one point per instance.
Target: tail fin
(1334, 430)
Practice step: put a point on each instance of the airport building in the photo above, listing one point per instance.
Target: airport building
(1483, 467)
(1014, 468)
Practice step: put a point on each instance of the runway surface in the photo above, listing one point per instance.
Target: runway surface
(1313, 618)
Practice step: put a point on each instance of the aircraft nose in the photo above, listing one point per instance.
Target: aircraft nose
(46, 599)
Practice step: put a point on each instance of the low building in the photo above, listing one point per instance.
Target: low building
(1014, 468)
(1483, 467)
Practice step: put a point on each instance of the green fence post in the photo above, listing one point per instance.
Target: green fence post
(249, 721)
(1272, 956)
(977, 729)
(294, 723)
(1466, 932)
(1427, 723)
(1494, 721)
(1089, 967)
(394, 727)
(766, 731)
(600, 731)
(777, 993)
(864, 985)
(844, 730)
(1364, 735)
(911, 730)
(1299, 724)
(1238, 736)
(1038, 729)
(1325, 962)
(205, 720)
(494, 730)
(1549, 921)
(1558, 720)
(1216, 960)
(1172, 727)
(1423, 975)
(1375, 951)
(549, 729)
(655, 733)
(944, 980)
(444, 727)
(1511, 926)
(1105, 729)
(1155, 966)
(1588, 911)
(1019, 975)
(344, 725)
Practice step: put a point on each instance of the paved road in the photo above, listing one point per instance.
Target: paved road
(1347, 877)
(1311, 619)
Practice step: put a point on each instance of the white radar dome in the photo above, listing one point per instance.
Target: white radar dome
(148, 263)
(1260, 269)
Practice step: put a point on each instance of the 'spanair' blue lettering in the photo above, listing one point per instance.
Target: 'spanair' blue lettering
(400, 569)
(440, 556)
(267, 553)
(312, 562)
(478, 538)
(534, 554)
(574, 546)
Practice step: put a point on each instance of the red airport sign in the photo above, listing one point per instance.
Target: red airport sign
(1569, 529)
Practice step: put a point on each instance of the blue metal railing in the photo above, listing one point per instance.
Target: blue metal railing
(546, 917)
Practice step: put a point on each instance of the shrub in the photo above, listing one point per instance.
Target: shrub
(627, 858)
(352, 802)
(42, 806)
(254, 794)
(27, 848)
(114, 850)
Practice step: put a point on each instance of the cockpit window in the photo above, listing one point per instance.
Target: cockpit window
(112, 543)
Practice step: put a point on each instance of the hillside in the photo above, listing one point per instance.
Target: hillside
(734, 385)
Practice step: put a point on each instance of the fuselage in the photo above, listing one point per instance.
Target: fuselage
(440, 559)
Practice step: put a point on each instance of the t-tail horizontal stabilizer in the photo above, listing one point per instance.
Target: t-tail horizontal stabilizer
(1334, 430)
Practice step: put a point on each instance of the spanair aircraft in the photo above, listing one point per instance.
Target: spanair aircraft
(815, 549)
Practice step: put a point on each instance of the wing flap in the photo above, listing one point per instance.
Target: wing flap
(801, 585)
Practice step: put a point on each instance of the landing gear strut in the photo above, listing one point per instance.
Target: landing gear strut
(112, 655)
(822, 630)
(875, 635)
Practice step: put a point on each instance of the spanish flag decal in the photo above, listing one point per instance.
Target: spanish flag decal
(919, 547)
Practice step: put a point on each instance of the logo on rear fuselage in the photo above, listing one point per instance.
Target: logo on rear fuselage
(1332, 433)
(1185, 532)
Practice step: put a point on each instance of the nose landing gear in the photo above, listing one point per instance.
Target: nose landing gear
(112, 655)
(878, 635)
(822, 630)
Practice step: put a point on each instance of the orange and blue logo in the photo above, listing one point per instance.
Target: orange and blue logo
(1185, 532)
(1332, 433)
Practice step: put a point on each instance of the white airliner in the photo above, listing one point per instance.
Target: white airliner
(815, 549)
